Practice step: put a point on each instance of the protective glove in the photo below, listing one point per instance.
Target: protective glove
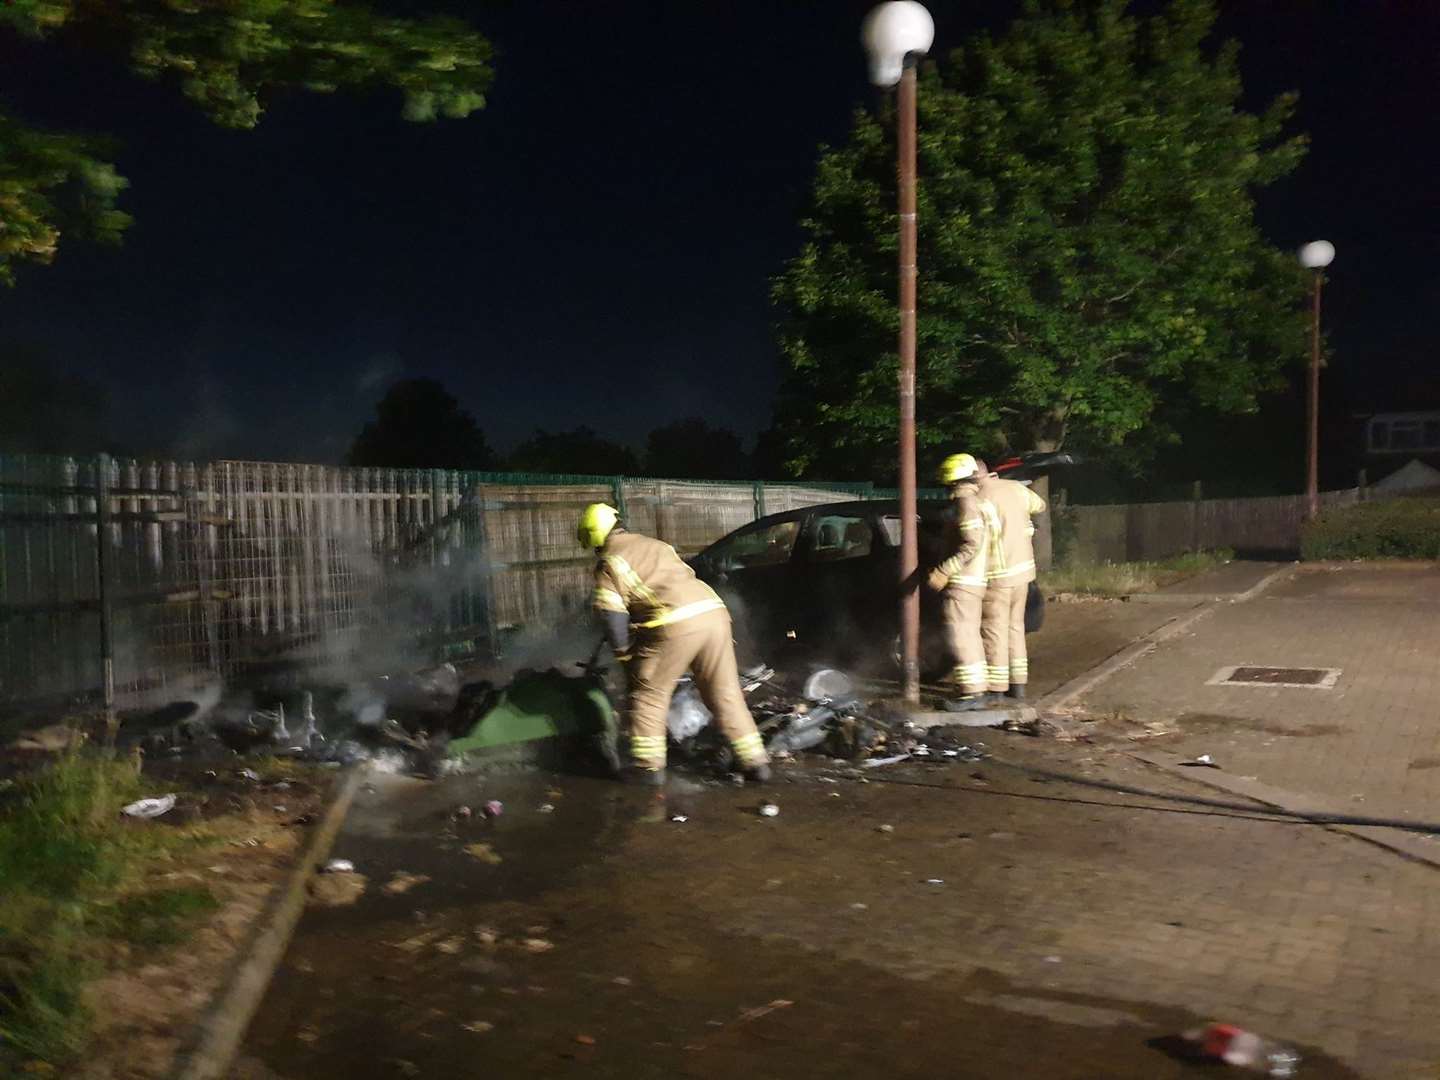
(938, 579)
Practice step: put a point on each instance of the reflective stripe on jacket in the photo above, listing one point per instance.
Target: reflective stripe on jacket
(647, 580)
(1012, 550)
(968, 539)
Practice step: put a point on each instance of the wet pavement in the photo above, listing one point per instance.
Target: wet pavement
(1007, 924)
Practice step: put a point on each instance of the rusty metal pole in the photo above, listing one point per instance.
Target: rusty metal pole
(1312, 450)
(909, 548)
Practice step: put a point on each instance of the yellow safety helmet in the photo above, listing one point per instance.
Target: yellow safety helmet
(957, 467)
(596, 523)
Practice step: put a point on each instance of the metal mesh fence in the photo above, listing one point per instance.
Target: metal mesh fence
(232, 565)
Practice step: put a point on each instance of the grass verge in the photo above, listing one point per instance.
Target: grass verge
(1127, 579)
(72, 869)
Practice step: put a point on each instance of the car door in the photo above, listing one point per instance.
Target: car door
(844, 579)
(753, 572)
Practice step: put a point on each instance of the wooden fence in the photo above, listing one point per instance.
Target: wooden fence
(1141, 531)
(230, 565)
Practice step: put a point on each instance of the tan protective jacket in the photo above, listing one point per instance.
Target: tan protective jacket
(1012, 550)
(644, 577)
(968, 539)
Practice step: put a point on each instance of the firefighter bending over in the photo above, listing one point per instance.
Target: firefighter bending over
(961, 578)
(661, 620)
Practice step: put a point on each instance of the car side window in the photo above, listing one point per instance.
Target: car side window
(836, 537)
(769, 546)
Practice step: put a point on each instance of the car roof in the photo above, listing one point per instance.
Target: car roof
(853, 508)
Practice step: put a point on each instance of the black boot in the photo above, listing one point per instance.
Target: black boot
(642, 777)
(966, 703)
(996, 698)
(758, 774)
(1016, 692)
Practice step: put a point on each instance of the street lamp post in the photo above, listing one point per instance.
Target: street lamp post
(894, 34)
(1315, 256)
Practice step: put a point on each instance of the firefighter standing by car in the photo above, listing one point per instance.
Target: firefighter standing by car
(1011, 570)
(661, 620)
(962, 577)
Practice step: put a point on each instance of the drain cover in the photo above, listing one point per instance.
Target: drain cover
(1300, 678)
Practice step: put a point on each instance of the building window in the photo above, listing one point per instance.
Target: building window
(1406, 434)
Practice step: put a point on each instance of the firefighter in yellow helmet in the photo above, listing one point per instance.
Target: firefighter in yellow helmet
(661, 621)
(961, 578)
(1012, 568)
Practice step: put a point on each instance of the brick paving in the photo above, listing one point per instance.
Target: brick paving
(1372, 743)
(1075, 922)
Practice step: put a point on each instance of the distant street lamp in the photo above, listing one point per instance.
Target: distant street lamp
(894, 34)
(1315, 256)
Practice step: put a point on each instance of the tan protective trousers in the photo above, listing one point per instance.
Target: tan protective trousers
(1002, 626)
(703, 646)
(962, 607)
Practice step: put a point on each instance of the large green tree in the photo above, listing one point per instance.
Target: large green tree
(227, 56)
(1089, 263)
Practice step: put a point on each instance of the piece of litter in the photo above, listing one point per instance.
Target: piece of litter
(494, 808)
(280, 809)
(621, 980)
(450, 946)
(885, 828)
(875, 763)
(479, 1027)
(150, 808)
(546, 808)
(1052, 959)
(935, 881)
(585, 1040)
(462, 812)
(536, 945)
(485, 853)
(859, 907)
(834, 794)
(249, 774)
(682, 818)
(1204, 761)
(338, 866)
(486, 935)
(769, 809)
(402, 883)
(951, 753)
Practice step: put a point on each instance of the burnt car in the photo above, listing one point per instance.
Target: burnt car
(824, 579)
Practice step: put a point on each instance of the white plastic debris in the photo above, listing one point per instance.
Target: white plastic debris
(150, 808)
(769, 809)
(547, 808)
(338, 866)
(680, 818)
(875, 763)
(1203, 761)
(935, 881)
(249, 774)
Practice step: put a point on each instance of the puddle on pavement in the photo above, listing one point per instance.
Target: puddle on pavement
(559, 959)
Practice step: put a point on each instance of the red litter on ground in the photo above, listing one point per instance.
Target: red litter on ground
(494, 808)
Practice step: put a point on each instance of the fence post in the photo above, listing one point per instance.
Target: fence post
(759, 496)
(1197, 493)
(617, 489)
(102, 587)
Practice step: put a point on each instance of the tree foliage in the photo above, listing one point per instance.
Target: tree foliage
(692, 449)
(420, 425)
(1089, 262)
(577, 451)
(228, 55)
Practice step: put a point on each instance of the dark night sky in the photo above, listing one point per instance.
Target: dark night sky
(594, 247)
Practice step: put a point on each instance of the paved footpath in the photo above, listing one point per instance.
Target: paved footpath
(1369, 745)
(1008, 923)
